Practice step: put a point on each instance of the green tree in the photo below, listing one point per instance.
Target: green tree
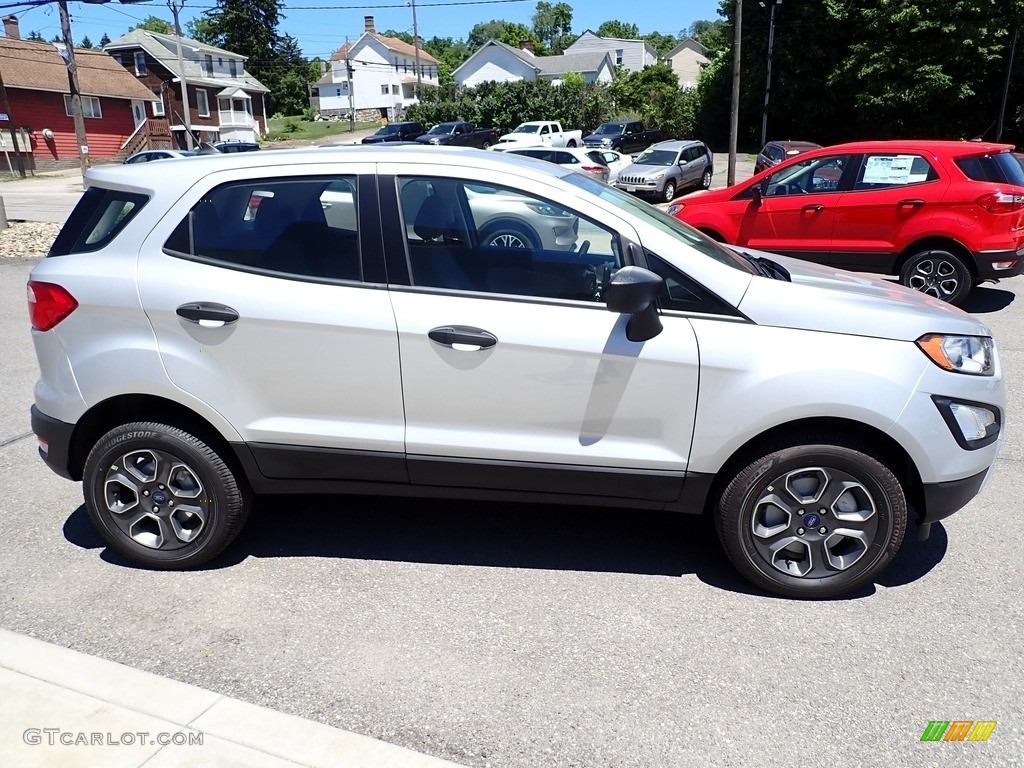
(653, 95)
(619, 29)
(34, 35)
(552, 24)
(248, 27)
(449, 54)
(154, 24)
(105, 40)
(713, 35)
(86, 43)
(662, 44)
(508, 32)
(405, 37)
(202, 29)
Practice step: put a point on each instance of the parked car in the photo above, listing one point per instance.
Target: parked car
(405, 352)
(943, 216)
(628, 136)
(667, 168)
(540, 132)
(149, 155)
(236, 145)
(459, 134)
(586, 160)
(774, 152)
(615, 161)
(404, 131)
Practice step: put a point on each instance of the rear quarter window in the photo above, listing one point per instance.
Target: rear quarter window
(100, 215)
(1001, 168)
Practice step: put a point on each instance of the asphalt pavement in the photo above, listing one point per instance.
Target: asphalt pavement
(518, 636)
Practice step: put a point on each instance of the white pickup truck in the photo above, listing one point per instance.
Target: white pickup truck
(538, 132)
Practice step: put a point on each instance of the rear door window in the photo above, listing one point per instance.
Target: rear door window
(884, 171)
(96, 220)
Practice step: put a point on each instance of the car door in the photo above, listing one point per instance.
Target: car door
(798, 209)
(515, 375)
(261, 296)
(892, 194)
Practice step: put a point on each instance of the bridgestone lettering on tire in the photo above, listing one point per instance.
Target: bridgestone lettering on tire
(161, 496)
(812, 520)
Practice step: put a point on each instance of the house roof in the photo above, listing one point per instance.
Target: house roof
(688, 43)
(647, 46)
(547, 66)
(391, 43)
(164, 48)
(38, 66)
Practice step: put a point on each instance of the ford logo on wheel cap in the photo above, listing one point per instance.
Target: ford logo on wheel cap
(812, 520)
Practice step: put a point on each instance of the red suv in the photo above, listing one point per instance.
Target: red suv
(942, 215)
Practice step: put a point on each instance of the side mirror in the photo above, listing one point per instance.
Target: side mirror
(633, 291)
(756, 196)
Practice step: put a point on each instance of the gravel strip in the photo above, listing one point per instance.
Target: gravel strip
(27, 239)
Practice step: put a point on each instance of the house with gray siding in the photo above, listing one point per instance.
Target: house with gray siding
(631, 55)
(497, 62)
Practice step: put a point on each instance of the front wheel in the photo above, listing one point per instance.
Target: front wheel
(812, 520)
(505, 235)
(668, 194)
(161, 496)
(939, 273)
(705, 179)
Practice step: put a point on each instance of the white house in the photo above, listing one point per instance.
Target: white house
(631, 55)
(495, 61)
(381, 73)
(687, 59)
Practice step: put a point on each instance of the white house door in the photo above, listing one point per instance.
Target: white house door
(138, 112)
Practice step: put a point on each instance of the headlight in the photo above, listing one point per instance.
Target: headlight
(974, 355)
(675, 208)
(657, 176)
(435, 141)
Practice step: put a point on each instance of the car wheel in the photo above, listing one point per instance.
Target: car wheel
(668, 194)
(161, 496)
(571, 144)
(812, 520)
(705, 179)
(487, 145)
(503, 235)
(939, 273)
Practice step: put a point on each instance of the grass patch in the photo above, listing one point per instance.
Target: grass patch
(297, 128)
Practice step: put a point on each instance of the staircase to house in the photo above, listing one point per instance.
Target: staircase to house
(152, 133)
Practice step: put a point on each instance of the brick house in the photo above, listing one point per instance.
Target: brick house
(35, 78)
(225, 102)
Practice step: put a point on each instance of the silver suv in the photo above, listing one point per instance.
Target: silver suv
(665, 169)
(346, 320)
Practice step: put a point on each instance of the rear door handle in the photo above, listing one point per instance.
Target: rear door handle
(207, 314)
(463, 336)
(911, 203)
(817, 208)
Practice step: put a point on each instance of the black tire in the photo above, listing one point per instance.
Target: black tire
(508, 235)
(486, 145)
(705, 179)
(571, 144)
(940, 273)
(668, 194)
(779, 520)
(146, 468)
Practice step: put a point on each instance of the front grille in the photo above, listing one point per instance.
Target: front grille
(633, 180)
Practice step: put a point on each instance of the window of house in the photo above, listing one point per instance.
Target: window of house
(618, 57)
(337, 91)
(384, 90)
(208, 64)
(90, 106)
(140, 63)
(158, 105)
(394, 90)
(396, 63)
(202, 102)
(233, 67)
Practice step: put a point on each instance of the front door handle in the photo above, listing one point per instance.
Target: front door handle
(816, 208)
(911, 203)
(207, 313)
(462, 336)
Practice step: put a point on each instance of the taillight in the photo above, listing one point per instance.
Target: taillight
(1001, 202)
(48, 304)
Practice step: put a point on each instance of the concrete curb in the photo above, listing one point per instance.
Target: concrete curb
(63, 708)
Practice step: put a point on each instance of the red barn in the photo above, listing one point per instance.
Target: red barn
(38, 105)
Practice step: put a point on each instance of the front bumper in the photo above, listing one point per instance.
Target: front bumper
(54, 442)
(943, 499)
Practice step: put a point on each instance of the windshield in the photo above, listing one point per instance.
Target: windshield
(656, 157)
(662, 221)
(610, 129)
(527, 129)
(442, 129)
(387, 130)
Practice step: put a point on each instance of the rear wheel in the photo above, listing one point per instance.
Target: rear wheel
(161, 496)
(571, 144)
(668, 194)
(812, 520)
(705, 179)
(507, 235)
(939, 273)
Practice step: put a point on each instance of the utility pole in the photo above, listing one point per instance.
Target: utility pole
(768, 76)
(1009, 69)
(416, 45)
(351, 96)
(734, 102)
(68, 54)
(175, 6)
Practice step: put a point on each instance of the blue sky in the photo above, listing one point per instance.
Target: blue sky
(322, 29)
